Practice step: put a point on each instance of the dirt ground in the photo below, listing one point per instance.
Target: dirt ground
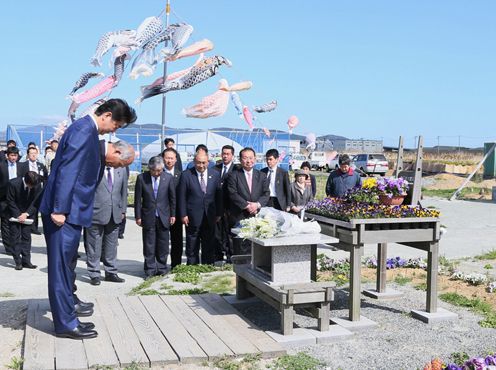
(450, 181)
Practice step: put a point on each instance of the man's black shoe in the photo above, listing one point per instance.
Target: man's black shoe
(83, 311)
(18, 267)
(29, 265)
(114, 278)
(78, 333)
(95, 281)
(81, 303)
(121, 236)
(86, 325)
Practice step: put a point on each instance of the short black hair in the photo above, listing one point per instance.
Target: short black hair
(31, 143)
(32, 148)
(272, 153)
(168, 140)
(12, 149)
(54, 141)
(306, 164)
(12, 142)
(247, 149)
(120, 110)
(201, 147)
(344, 159)
(167, 150)
(228, 147)
(32, 179)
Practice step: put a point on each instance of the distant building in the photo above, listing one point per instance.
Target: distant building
(357, 146)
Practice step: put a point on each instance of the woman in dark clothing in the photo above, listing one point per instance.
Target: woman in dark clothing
(310, 181)
(301, 194)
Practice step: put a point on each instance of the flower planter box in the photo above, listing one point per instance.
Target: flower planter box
(416, 232)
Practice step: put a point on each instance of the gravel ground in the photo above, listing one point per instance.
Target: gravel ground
(398, 342)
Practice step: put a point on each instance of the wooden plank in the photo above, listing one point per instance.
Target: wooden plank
(239, 346)
(39, 344)
(396, 236)
(183, 344)
(157, 348)
(355, 276)
(70, 354)
(432, 272)
(265, 344)
(206, 338)
(99, 350)
(122, 334)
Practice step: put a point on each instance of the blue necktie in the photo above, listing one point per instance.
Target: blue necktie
(109, 178)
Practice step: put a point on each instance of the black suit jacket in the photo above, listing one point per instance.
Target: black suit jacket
(240, 195)
(42, 170)
(223, 182)
(145, 203)
(194, 203)
(102, 144)
(283, 189)
(18, 200)
(177, 179)
(4, 179)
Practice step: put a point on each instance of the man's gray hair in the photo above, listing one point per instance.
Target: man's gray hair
(155, 163)
(126, 149)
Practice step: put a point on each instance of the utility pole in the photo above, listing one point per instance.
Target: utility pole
(164, 99)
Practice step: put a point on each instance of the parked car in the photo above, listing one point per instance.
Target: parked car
(296, 160)
(318, 160)
(372, 163)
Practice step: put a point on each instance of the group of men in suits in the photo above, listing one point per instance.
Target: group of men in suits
(21, 184)
(208, 200)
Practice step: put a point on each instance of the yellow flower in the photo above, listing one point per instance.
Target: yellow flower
(369, 183)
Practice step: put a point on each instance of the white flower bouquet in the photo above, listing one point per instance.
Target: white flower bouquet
(258, 227)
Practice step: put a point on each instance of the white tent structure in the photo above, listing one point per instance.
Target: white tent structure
(187, 142)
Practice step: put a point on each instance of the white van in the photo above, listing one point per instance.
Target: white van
(318, 160)
(296, 161)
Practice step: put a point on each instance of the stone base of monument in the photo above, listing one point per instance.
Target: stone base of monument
(304, 336)
(388, 294)
(359, 325)
(432, 317)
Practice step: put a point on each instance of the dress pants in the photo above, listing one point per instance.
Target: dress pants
(274, 203)
(155, 248)
(101, 245)
(20, 235)
(223, 240)
(5, 228)
(176, 237)
(122, 227)
(62, 245)
(203, 235)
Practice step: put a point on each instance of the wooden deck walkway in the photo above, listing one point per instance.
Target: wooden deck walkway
(147, 330)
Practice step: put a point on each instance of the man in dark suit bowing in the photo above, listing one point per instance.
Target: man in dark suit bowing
(67, 206)
(154, 210)
(32, 164)
(200, 207)
(170, 156)
(279, 186)
(248, 192)
(223, 242)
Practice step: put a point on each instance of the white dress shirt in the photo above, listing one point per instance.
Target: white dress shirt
(33, 166)
(12, 170)
(272, 184)
(205, 176)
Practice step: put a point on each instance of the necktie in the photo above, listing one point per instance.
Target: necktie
(109, 178)
(270, 175)
(248, 175)
(155, 187)
(203, 186)
(224, 171)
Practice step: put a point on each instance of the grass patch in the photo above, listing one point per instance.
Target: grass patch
(191, 277)
(165, 286)
(459, 358)
(149, 292)
(103, 367)
(447, 193)
(219, 284)
(476, 305)
(15, 363)
(300, 361)
(402, 280)
(491, 255)
(134, 366)
(488, 266)
(137, 290)
(421, 286)
(6, 295)
(186, 291)
(193, 268)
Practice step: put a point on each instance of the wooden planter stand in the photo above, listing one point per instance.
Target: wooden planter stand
(420, 233)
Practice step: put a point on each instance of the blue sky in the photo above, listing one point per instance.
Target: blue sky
(361, 69)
